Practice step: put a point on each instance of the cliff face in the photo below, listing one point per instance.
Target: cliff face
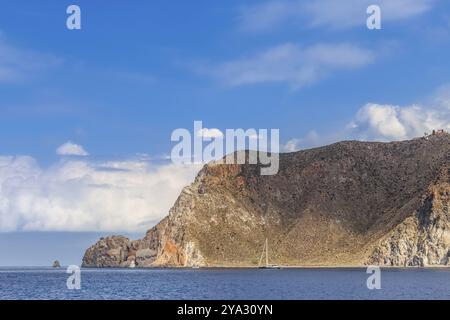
(350, 203)
(423, 238)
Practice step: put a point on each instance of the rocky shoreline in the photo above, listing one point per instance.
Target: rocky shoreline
(348, 204)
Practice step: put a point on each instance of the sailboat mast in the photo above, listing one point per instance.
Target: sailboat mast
(267, 253)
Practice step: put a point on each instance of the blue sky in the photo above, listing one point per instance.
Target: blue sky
(137, 70)
(134, 70)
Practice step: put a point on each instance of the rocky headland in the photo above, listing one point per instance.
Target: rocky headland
(347, 204)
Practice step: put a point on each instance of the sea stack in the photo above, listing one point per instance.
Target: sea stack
(56, 264)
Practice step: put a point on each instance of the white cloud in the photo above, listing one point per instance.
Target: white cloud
(292, 145)
(209, 133)
(326, 13)
(19, 64)
(381, 120)
(295, 144)
(385, 122)
(390, 122)
(264, 16)
(71, 149)
(292, 64)
(80, 195)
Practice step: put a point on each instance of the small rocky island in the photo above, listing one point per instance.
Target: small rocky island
(56, 264)
(351, 203)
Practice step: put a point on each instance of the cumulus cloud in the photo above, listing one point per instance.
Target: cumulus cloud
(295, 144)
(391, 122)
(71, 149)
(209, 133)
(81, 195)
(381, 120)
(292, 64)
(326, 13)
(385, 122)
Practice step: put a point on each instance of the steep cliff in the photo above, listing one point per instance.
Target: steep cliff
(422, 239)
(350, 203)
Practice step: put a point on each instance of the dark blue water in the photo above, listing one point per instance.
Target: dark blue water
(41, 283)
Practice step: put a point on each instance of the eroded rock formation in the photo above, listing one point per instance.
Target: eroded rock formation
(350, 203)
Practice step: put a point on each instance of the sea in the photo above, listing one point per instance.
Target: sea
(223, 284)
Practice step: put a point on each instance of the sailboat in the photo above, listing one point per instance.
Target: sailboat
(266, 252)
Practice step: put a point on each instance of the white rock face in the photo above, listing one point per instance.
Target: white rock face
(422, 239)
(194, 257)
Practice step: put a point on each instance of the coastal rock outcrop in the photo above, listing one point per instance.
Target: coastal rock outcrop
(111, 251)
(346, 204)
(423, 239)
